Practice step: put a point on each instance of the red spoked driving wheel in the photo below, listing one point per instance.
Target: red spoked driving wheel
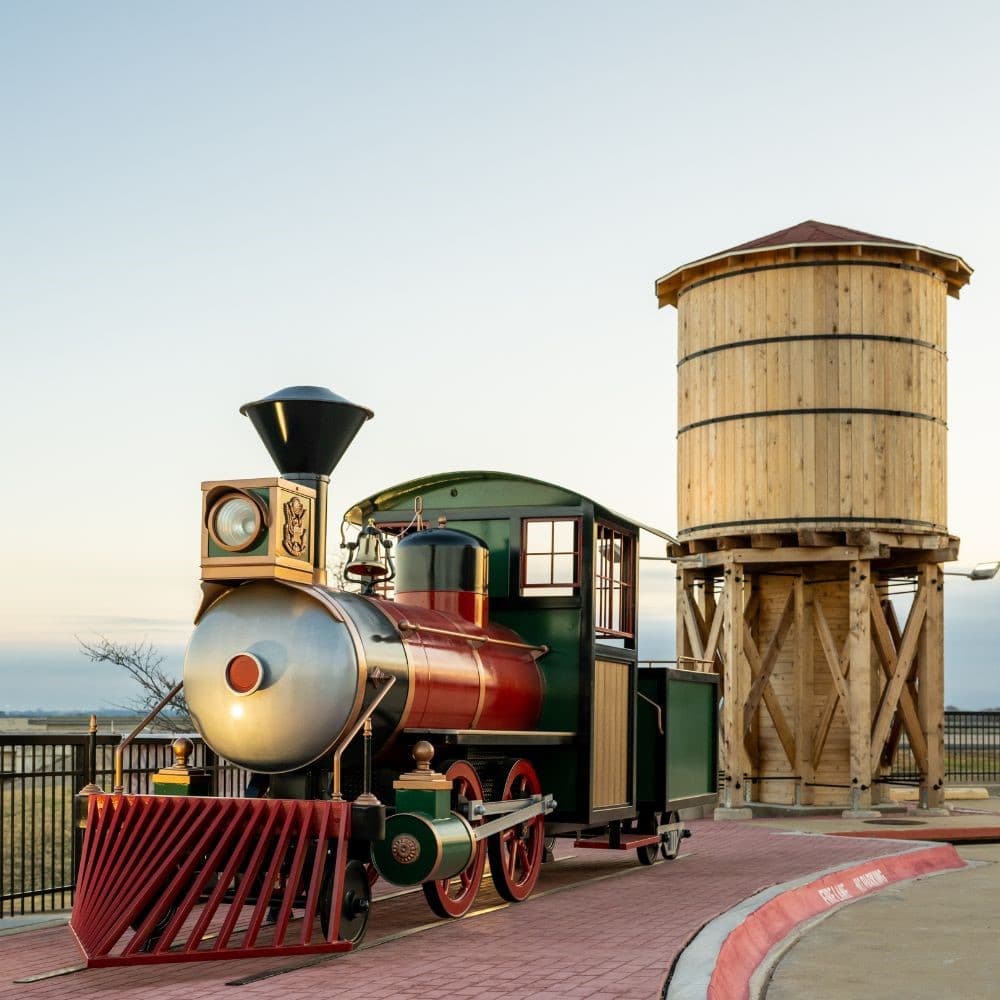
(451, 897)
(516, 853)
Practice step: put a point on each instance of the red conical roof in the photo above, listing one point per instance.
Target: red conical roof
(808, 234)
(812, 231)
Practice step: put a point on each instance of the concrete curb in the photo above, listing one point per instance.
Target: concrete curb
(33, 922)
(723, 957)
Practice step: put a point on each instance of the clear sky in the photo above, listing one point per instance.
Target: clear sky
(454, 214)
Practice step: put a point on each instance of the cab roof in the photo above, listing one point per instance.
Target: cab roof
(477, 488)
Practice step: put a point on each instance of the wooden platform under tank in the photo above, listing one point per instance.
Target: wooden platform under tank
(894, 548)
(830, 654)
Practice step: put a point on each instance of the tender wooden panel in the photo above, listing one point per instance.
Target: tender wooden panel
(610, 738)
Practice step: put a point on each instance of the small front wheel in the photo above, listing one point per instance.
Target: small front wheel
(355, 903)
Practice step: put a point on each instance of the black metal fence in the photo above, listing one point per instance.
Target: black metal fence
(971, 750)
(39, 778)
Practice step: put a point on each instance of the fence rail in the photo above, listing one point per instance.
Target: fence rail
(971, 750)
(39, 778)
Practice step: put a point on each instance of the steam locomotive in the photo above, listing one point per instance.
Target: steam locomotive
(470, 694)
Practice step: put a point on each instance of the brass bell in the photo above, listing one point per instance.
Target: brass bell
(369, 559)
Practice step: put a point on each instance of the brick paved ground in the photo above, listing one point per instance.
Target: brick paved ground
(613, 937)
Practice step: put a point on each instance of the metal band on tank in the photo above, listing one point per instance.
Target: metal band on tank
(826, 410)
(845, 519)
(410, 686)
(325, 598)
(792, 338)
(481, 670)
(835, 262)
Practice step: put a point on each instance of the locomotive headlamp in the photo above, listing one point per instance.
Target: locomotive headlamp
(254, 528)
(236, 522)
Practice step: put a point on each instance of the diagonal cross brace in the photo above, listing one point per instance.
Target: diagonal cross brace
(897, 666)
(761, 672)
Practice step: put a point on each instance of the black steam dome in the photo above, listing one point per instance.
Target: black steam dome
(306, 428)
(446, 570)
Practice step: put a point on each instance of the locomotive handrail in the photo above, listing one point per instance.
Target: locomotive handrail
(355, 729)
(656, 708)
(120, 749)
(408, 626)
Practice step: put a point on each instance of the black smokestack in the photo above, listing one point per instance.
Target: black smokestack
(306, 430)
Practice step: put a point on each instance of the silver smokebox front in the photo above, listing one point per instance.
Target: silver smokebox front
(311, 685)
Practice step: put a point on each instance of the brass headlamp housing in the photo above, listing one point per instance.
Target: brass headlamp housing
(258, 529)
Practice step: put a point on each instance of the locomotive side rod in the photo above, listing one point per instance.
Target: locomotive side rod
(520, 811)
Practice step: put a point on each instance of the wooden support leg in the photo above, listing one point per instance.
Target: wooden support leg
(803, 689)
(860, 683)
(930, 684)
(737, 763)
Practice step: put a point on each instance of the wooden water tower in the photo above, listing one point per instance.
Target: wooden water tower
(811, 472)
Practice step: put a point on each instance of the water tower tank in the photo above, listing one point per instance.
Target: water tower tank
(812, 384)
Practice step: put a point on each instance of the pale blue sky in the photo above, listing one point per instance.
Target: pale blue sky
(452, 213)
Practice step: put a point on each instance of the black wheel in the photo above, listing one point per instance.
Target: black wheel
(156, 931)
(548, 851)
(647, 825)
(670, 843)
(355, 905)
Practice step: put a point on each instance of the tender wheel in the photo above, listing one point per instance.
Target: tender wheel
(670, 844)
(647, 854)
(451, 897)
(516, 854)
(548, 852)
(355, 904)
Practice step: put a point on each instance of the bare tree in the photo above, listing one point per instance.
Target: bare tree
(143, 664)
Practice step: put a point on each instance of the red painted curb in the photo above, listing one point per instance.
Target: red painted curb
(747, 946)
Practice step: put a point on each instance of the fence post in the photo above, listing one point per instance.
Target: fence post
(212, 766)
(92, 752)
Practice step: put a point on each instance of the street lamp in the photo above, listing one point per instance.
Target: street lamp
(981, 571)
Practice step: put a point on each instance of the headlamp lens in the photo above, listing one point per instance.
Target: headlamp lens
(237, 523)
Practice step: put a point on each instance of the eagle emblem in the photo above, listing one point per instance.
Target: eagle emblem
(296, 538)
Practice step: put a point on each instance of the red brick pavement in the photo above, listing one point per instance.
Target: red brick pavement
(616, 937)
